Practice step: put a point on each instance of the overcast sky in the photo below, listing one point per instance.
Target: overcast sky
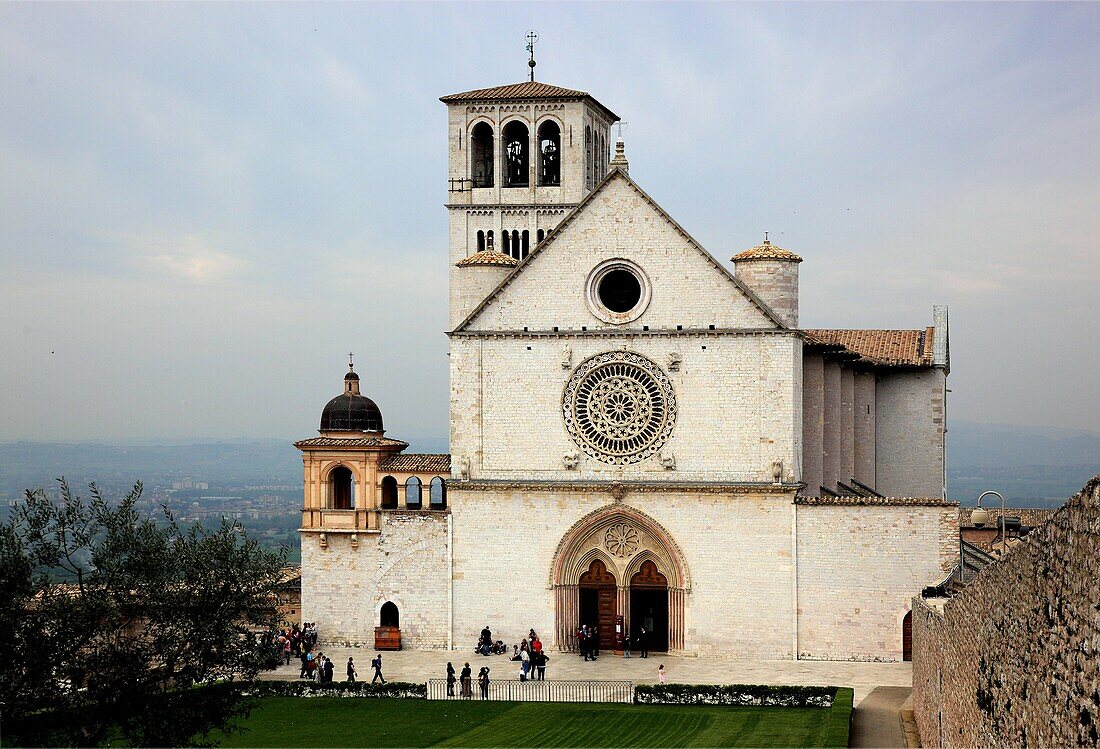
(203, 208)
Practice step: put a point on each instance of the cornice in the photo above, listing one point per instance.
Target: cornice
(619, 489)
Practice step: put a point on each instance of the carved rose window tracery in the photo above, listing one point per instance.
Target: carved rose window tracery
(619, 407)
(621, 540)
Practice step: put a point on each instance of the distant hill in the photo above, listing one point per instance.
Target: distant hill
(970, 444)
(1035, 466)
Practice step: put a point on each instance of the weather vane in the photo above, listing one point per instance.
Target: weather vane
(532, 40)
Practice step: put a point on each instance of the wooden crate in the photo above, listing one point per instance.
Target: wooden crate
(387, 638)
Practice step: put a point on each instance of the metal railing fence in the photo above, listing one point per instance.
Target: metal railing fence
(514, 690)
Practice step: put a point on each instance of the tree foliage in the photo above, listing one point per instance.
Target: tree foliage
(114, 618)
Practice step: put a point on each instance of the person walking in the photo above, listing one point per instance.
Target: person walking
(483, 682)
(466, 691)
(351, 672)
(661, 674)
(450, 680)
(377, 665)
(304, 672)
(286, 649)
(330, 667)
(643, 643)
(626, 646)
(543, 658)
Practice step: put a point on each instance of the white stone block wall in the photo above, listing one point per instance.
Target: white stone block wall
(344, 587)
(858, 569)
(739, 406)
(910, 433)
(738, 550)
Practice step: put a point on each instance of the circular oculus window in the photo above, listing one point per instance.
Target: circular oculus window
(617, 291)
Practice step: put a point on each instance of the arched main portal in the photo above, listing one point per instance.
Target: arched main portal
(634, 558)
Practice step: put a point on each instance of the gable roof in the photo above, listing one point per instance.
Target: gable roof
(417, 463)
(617, 173)
(524, 92)
(904, 348)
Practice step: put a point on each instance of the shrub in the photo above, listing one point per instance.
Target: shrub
(733, 694)
(393, 689)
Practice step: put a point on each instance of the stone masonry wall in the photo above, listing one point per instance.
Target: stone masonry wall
(344, 586)
(858, 568)
(909, 433)
(1014, 660)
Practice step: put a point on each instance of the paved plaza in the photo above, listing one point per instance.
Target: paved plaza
(420, 665)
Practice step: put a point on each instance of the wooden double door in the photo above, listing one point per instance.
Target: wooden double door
(647, 604)
(597, 604)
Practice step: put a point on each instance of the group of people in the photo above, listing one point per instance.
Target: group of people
(486, 645)
(532, 659)
(293, 641)
(588, 642)
(465, 681)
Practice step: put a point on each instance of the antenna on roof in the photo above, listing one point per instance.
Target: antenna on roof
(765, 237)
(532, 40)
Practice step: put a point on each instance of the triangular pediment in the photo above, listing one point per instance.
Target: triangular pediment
(686, 287)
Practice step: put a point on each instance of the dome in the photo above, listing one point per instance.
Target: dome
(766, 251)
(351, 412)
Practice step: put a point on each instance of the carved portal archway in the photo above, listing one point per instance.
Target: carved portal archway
(630, 546)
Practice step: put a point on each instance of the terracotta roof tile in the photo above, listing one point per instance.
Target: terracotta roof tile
(488, 257)
(418, 463)
(767, 251)
(350, 442)
(524, 91)
(911, 348)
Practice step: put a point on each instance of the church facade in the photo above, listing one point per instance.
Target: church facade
(640, 435)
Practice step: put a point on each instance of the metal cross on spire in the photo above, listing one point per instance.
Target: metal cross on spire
(532, 40)
(351, 361)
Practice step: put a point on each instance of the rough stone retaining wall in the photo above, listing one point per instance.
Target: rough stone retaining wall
(1014, 660)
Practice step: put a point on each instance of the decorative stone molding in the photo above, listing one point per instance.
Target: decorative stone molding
(355, 540)
(654, 487)
(322, 540)
(464, 468)
(668, 460)
(674, 360)
(622, 540)
(566, 357)
(570, 460)
(777, 471)
(617, 490)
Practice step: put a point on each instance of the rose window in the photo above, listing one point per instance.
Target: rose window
(621, 540)
(619, 407)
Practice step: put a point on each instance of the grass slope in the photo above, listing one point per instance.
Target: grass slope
(341, 722)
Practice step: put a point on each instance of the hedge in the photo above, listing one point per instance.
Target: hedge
(733, 694)
(391, 689)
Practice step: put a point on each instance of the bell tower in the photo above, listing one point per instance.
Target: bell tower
(520, 157)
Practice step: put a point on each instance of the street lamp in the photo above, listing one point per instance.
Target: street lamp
(980, 517)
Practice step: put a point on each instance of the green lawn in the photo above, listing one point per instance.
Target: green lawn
(339, 722)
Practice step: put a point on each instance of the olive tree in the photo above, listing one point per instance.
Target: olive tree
(122, 627)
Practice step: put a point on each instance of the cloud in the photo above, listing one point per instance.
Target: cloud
(192, 259)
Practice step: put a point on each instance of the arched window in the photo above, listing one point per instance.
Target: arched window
(489, 240)
(481, 155)
(389, 493)
(480, 240)
(525, 240)
(549, 154)
(413, 493)
(389, 616)
(587, 156)
(515, 244)
(540, 235)
(506, 240)
(437, 493)
(343, 491)
(515, 142)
